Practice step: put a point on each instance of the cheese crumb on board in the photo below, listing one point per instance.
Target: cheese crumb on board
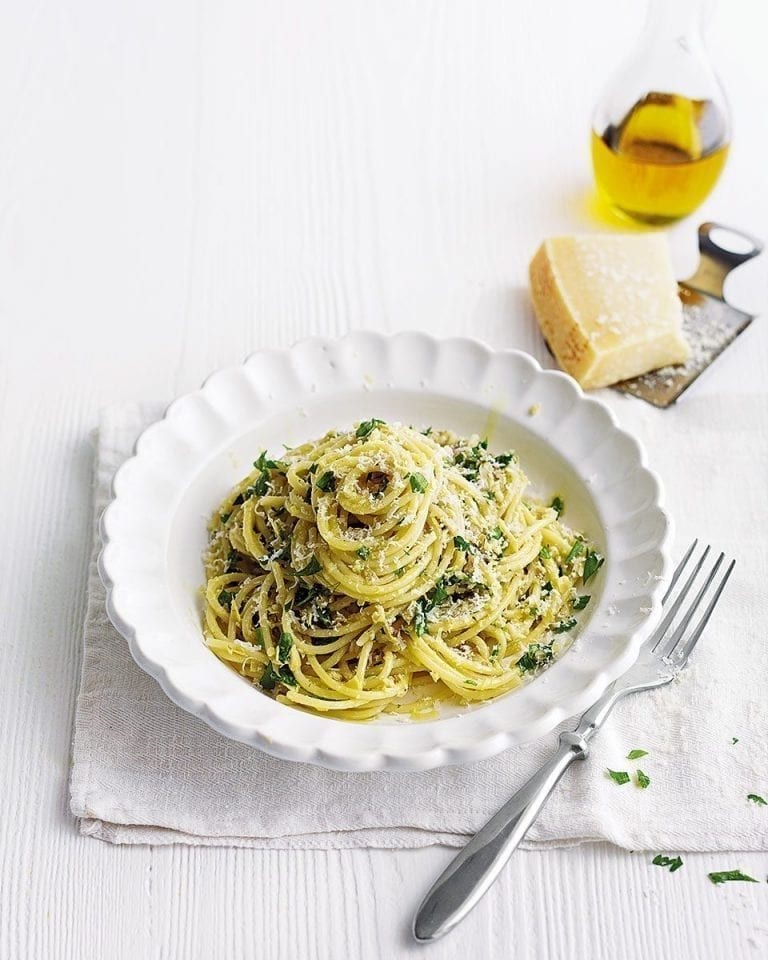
(608, 305)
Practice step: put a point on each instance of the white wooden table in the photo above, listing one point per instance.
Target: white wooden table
(183, 182)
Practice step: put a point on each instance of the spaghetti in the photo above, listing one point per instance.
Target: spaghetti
(387, 569)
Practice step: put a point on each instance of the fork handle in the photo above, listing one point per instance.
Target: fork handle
(469, 875)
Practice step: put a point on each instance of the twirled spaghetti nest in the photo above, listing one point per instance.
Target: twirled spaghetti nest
(390, 569)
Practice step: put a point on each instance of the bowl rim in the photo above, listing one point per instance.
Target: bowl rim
(337, 749)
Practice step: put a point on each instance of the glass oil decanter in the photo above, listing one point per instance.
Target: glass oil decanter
(661, 132)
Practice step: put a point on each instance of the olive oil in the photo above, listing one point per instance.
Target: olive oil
(662, 160)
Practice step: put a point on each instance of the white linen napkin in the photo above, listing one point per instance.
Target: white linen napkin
(146, 772)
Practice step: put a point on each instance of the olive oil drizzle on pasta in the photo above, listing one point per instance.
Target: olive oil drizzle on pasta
(387, 569)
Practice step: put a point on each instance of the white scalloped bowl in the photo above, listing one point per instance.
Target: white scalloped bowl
(154, 530)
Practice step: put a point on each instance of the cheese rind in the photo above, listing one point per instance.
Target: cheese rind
(608, 305)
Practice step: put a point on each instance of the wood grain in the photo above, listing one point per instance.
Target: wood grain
(181, 183)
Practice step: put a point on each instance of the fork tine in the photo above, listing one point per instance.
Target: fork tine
(679, 570)
(691, 642)
(662, 628)
(671, 645)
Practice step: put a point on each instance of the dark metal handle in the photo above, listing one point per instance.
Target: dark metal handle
(718, 258)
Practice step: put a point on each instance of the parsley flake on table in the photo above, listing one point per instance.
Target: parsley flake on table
(734, 740)
(757, 800)
(674, 863)
(725, 875)
(642, 779)
(618, 776)
(636, 754)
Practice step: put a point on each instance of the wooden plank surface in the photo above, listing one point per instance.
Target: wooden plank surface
(181, 183)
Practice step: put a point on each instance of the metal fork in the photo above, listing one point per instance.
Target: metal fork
(470, 875)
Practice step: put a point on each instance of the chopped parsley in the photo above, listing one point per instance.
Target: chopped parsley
(495, 651)
(544, 554)
(363, 552)
(420, 617)
(674, 863)
(734, 740)
(425, 605)
(284, 647)
(231, 562)
(496, 534)
(725, 875)
(558, 506)
(504, 459)
(426, 431)
(756, 799)
(592, 564)
(564, 626)
(580, 602)
(314, 566)
(270, 677)
(636, 754)
(280, 553)
(471, 683)
(537, 655)
(261, 485)
(263, 463)
(306, 594)
(468, 461)
(367, 427)
(224, 517)
(575, 551)
(438, 594)
(313, 468)
(618, 776)
(642, 779)
(418, 482)
(225, 598)
(259, 488)
(327, 482)
(461, 544)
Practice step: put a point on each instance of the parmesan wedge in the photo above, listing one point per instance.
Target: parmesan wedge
(608, 305)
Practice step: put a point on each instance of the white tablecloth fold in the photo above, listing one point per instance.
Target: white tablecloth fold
(146, 772)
